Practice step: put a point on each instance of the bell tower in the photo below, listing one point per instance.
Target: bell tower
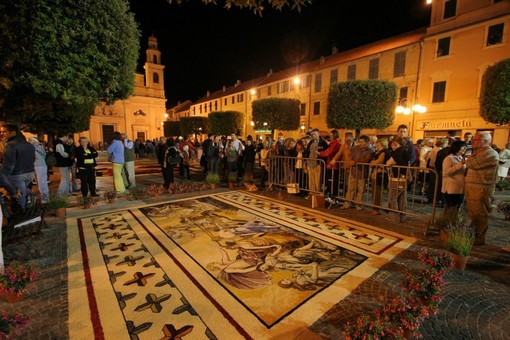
(153, 68)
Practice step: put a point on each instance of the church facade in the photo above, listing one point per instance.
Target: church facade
(141, 116)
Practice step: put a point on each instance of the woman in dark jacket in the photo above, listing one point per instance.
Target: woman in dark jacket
(399, 176)
(86, 163)
(168, 165)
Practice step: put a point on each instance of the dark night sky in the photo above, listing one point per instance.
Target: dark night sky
(205, 46)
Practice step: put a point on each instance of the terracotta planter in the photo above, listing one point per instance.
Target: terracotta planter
(59, 212)
(443, 235)
(212, 186)
(231, 185)
(459, 262)
(13, 297)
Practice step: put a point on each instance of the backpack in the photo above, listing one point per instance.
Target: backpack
(172, 160)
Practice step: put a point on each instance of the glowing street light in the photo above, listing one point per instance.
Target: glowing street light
(297, 80)
(166, 115)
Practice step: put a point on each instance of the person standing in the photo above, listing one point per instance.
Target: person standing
(379, 175)
(332, 168)
(64, 162)
(116, 156)
(453, 177)
(72, 168)
(480, 183)
(358, 175)
(397, 186)
(41, 170)
(249, 161)
(504, 162)
(314, 168)
(171, 152)
(129, 163)
(18, 161)
(86, 162)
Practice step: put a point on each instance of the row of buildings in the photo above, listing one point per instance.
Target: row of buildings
(439, 67)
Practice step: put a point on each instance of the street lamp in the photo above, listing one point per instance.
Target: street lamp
(402, 108)
(297, 80)
(166, 115)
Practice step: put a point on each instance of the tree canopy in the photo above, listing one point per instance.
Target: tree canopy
(258, 5)
(67, 56)
(278, 113)
(495, 93)
(226, 122)
(172, 128)
(361, 104)
(191, 125)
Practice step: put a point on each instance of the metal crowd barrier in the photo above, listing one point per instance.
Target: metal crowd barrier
(297, 175)
(402, 190)
(377, 186)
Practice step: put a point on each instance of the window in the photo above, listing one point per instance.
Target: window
(333, 77)
(399, 64)
(402, 94)
(210, 106)
(225, 101)
(308, 80)
(269, 90)
(155, 78)
(351, 72)
(233, 99)
(194, 111)
(200, 108)
(154, 59)
(283, 87)
(316, 108)
(240, 97)
(443, 47)
(495, 35)
(302, 109)
(205, 108)
(318, 83)
(215, 105)
(258, 93)
(373, 68)
(450, 9)
(439, 92)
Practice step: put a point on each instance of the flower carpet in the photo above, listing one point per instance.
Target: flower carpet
(228, 265)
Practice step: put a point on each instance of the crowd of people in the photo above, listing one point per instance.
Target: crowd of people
(468, 169)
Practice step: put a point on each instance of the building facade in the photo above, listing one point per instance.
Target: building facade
(142, 115)
(440, 67)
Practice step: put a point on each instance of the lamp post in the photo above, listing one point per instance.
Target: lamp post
(403, 108)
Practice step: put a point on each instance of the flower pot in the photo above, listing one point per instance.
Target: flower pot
(231, 185)
(59, 212)
(443, 235)
(459, 262)
(212, 186)
(13, 297)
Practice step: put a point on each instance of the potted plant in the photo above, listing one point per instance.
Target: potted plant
(459, 243)
(110, 196)
(232, 179)
(367, 327)
(504, 208)
(88, 203)
(135, 193)
(502, 185)
(59, 203)
(11, 323)
(444, 221)
(15, 279)
(212, 179)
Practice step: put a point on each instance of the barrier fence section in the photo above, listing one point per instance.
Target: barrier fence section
(297, 175)
(404, 190)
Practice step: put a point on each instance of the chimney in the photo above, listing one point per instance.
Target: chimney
(270, 72)
(334, 50)
(238, 82)
(224, 88)
(322, 60)
(208, 93)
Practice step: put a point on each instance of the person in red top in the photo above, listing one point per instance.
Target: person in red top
(331, 170)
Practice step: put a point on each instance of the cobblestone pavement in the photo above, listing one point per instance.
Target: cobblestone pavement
(477, 303)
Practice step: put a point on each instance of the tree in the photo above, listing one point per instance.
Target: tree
(258, 5)
(495, 93)
(171, 128)
(226, 122)
(194, 125)
(60, 55)
(277, 113)
(361, 104)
